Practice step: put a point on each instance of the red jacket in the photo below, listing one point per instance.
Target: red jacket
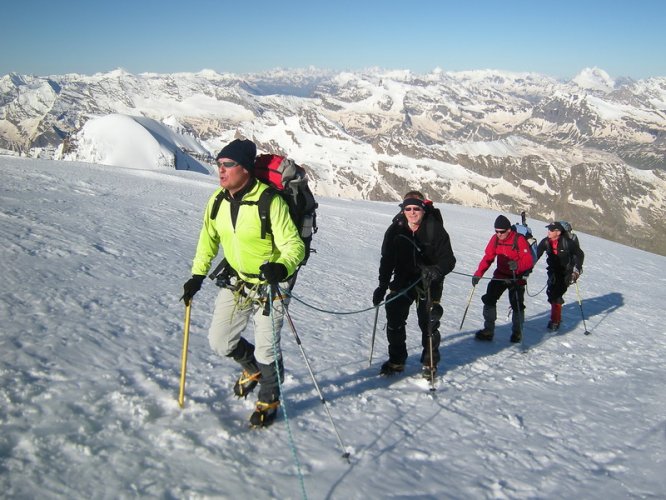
(514, 247)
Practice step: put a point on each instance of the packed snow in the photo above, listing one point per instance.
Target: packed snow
(93, 262)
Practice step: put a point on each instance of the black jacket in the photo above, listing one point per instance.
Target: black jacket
(404, 253)
(569, 255)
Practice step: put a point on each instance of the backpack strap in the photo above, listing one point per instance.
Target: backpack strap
(514, 245)
(515, 240)
(216, 204)
(430, 223)
(264, 205)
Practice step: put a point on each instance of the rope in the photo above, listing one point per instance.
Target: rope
(292, 445)
(529, 294)
(395, 297)
(342, 313)
(483, 277)
(290, 294)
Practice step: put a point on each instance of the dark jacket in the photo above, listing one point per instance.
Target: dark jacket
(569, 256)
(404, 252)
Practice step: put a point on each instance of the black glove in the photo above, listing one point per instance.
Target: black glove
(378, 295)
(273, 272)
(513, 265)
(431, 273)
(575, 275)
(191, 287)
(475, 280)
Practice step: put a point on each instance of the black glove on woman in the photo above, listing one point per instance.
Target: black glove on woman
(378, 295)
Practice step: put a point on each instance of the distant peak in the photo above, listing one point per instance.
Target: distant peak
(208, 73)
(594, 79)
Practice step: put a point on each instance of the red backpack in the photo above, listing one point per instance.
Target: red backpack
(289, 180)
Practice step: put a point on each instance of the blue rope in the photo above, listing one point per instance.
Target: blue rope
(292, 445)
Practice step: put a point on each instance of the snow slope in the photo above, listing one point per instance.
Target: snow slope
(93, 261)
(137, 142)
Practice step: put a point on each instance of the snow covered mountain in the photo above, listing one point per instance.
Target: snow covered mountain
(591, 150)
(93, 259)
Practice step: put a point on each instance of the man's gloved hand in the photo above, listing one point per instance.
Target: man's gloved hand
(191, 287)
(274, 272)
(431, 273)
(575, 274)
(378, 295)
(475, 280)
(513, 265)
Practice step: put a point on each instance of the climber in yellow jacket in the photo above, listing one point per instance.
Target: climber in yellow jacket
(253, 261)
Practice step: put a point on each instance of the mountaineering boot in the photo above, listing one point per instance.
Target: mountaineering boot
(555, 317)
(246, 383)
(516, 336)
(489, 318)
(426, 373)
(269, 382)
(429, 374)
(390, 368)
(484, 334)
(397, 345)
(264, 414)
(243, 354)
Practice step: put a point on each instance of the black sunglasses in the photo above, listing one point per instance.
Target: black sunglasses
(227, 164)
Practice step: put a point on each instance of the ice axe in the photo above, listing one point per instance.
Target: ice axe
(183, 362)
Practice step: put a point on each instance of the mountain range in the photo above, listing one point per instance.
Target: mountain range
(591, 150)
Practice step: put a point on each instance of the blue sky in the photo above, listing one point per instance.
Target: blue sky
(555, 38)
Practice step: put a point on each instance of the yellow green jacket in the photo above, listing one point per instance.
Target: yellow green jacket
(242, 245)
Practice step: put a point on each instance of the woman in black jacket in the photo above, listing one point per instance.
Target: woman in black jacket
(564, 265)
(416, 249)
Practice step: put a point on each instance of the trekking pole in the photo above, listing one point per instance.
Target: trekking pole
(345, 453)
(520, 311)
(580, 303)
(183, 362)
(430, 349)
(466, 308)
(372, 342)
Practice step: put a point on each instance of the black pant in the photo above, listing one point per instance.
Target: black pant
(497, 287)
(558, 284)
(397, 312)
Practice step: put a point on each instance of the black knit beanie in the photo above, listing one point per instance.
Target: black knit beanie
(242, 151)
(502, 223)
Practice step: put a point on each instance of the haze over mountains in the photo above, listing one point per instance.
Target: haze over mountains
(591, 150)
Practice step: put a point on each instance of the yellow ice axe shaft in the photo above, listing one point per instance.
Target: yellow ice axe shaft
(183, 361)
